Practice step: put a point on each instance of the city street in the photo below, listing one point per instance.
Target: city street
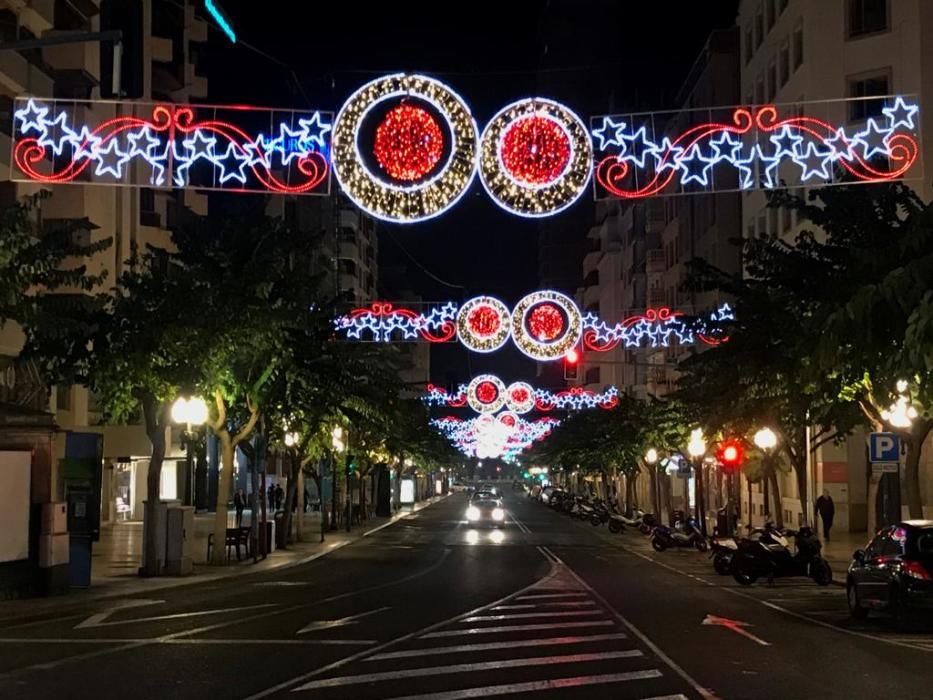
(431, 608)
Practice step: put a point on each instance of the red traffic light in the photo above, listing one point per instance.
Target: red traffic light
(572, 357)
(731, 454)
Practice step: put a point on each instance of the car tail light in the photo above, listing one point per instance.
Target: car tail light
(916, 570)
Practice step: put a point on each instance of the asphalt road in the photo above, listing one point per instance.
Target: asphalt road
(433, 609)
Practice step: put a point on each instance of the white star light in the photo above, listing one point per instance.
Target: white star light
(605, 138)
(726, 147)
(691, 174)
(840, 146)
(771, 164)
(59, 126)
(786, 142)
(314, 129)
(86, 144)
(639, 149)
(901, 114)
(32, 118)
(289, 144)
(814, 163)
(237, 172)
(115, 169)
(872, 140)
(673, 156)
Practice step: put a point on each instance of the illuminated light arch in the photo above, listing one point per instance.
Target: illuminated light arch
(546, 324)
(483, 324)
(486, 393)
(536, 157)
(404, 201)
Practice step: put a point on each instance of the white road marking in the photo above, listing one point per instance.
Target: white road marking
(534, 686)
(679, 696)
(341, 622)
(97, 618)
(319, 642)
(517, 628)
(525, 616)
(340, 681)
(736, 626)
(555, 604)
(94, 620)
(489, 646)
(542, 596)
(283, 583)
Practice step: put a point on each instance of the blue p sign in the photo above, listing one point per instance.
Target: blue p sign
(883, 447)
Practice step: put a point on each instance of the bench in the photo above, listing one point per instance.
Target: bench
(234, 539)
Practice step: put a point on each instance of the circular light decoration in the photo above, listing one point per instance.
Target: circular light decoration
(409, 148)
(486, 393)
(483, 324)
(520, 397)
(509, 419)
(546, 324)
(535, 157)
(409, 143)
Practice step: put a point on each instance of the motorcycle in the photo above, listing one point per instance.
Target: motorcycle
(722, 549)
(601, 513)
(681, 535)
(771, 556)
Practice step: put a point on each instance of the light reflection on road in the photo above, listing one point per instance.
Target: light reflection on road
(494, 536)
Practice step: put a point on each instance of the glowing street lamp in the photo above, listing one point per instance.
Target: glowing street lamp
(189, 412)
(697, 449)
(901, 414)
(765, 439)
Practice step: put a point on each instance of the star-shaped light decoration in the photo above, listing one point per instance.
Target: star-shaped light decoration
(102, 156)
(313, 129)
(638, 149)
(610, 133)
(692, 173)
(746, 165)
(241, 162)
(873, 140)
(840, 146)
(768, 175)
(901, 114)
(86, 144)
(814, 163)
(673, 153)
(726, 147)
(59, 128)
(32, 118)
(786, 142)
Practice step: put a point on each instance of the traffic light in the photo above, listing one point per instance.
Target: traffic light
(731, 454)
(572, 365)
(351, 463)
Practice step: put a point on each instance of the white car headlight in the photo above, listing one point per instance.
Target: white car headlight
(473, 513)
(498, 514)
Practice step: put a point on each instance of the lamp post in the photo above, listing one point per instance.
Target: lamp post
(765, 440)
(339, 447)
(697, 450)
(901, 414)
(189, 412)
(651, 459)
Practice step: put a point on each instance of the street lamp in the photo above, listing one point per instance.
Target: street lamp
(766, 440)
(651, 459)
(697, 449)
(189, 412)
(901, 414)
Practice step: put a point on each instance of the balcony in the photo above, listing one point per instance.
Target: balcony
(161, 49)
(349, 218)
(37, 16)
(197, 27)
(654, 261)
(84, 57)
(350, 250)
(14, 72)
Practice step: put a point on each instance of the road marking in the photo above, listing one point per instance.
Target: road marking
(703, 692)
(325, 642)
(283, 583)
(534, 686)
(489, 646)
(542, 596)
(340, 681)
(525, 616)
(341, 622)
(555, 604)
(736, 626)
(679, 696)
(517, 628)
(96, 620)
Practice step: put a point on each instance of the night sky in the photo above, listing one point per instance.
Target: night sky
(596, 57)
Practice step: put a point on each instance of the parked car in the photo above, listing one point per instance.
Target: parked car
(457, 487)
(894, 572)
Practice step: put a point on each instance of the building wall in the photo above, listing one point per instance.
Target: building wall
(831, 62)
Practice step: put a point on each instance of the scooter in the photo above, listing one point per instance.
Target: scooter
(681, 535)
(601, 513)
(722, 549)
(771, 556)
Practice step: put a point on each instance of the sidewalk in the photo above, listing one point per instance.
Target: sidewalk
(117, 556)
(838, 551)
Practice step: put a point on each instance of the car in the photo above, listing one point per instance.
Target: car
(457, 487)
(484, 494)
(894, 572)
(486, 510)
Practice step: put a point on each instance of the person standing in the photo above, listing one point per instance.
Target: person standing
(271, 491)
(239, 503)
(826, 509)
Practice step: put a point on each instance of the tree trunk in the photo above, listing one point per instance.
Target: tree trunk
(776, 498)
(668, 497)
(800, 471)
(225, 482)
(291, 493)
(300, 511)
(921, 429)
(629, 494)
(654, 486)
(155, 415)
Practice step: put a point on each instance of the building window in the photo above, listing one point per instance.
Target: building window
(749, 43)
(784, 63)
(867, 86)
(63, 398)
(592, 375)
(769, 7)
(759, 26)
(798, 45)
(772, 79)
(867, 17)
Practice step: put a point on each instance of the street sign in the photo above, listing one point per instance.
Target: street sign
(884, 468)
(883, 447)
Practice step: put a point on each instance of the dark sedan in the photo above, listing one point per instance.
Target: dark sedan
(894, 572)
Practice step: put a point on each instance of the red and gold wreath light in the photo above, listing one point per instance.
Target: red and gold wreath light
(414, 181)
(520, 397)
(546, 324)
(483, 324)
(535, 157)
(486, 393)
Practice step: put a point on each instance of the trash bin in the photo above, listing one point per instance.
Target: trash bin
(279, 528)
(79, 557)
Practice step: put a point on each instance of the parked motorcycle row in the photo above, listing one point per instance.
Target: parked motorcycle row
(768, 552)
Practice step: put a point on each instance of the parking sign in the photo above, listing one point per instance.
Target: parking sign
(883, 447)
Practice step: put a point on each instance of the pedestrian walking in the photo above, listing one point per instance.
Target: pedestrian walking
(239, 503)
(826, 509)
(279, 497)
(271, 500)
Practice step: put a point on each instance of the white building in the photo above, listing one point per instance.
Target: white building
(809, 50)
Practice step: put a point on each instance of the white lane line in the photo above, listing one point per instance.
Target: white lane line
(489, 646)
(548, 596)
(517, 628)
(341, 681)
(525, 616)
(275, 642)
(703, 692)
(679, 696)
(534, 686)
(555, 604)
